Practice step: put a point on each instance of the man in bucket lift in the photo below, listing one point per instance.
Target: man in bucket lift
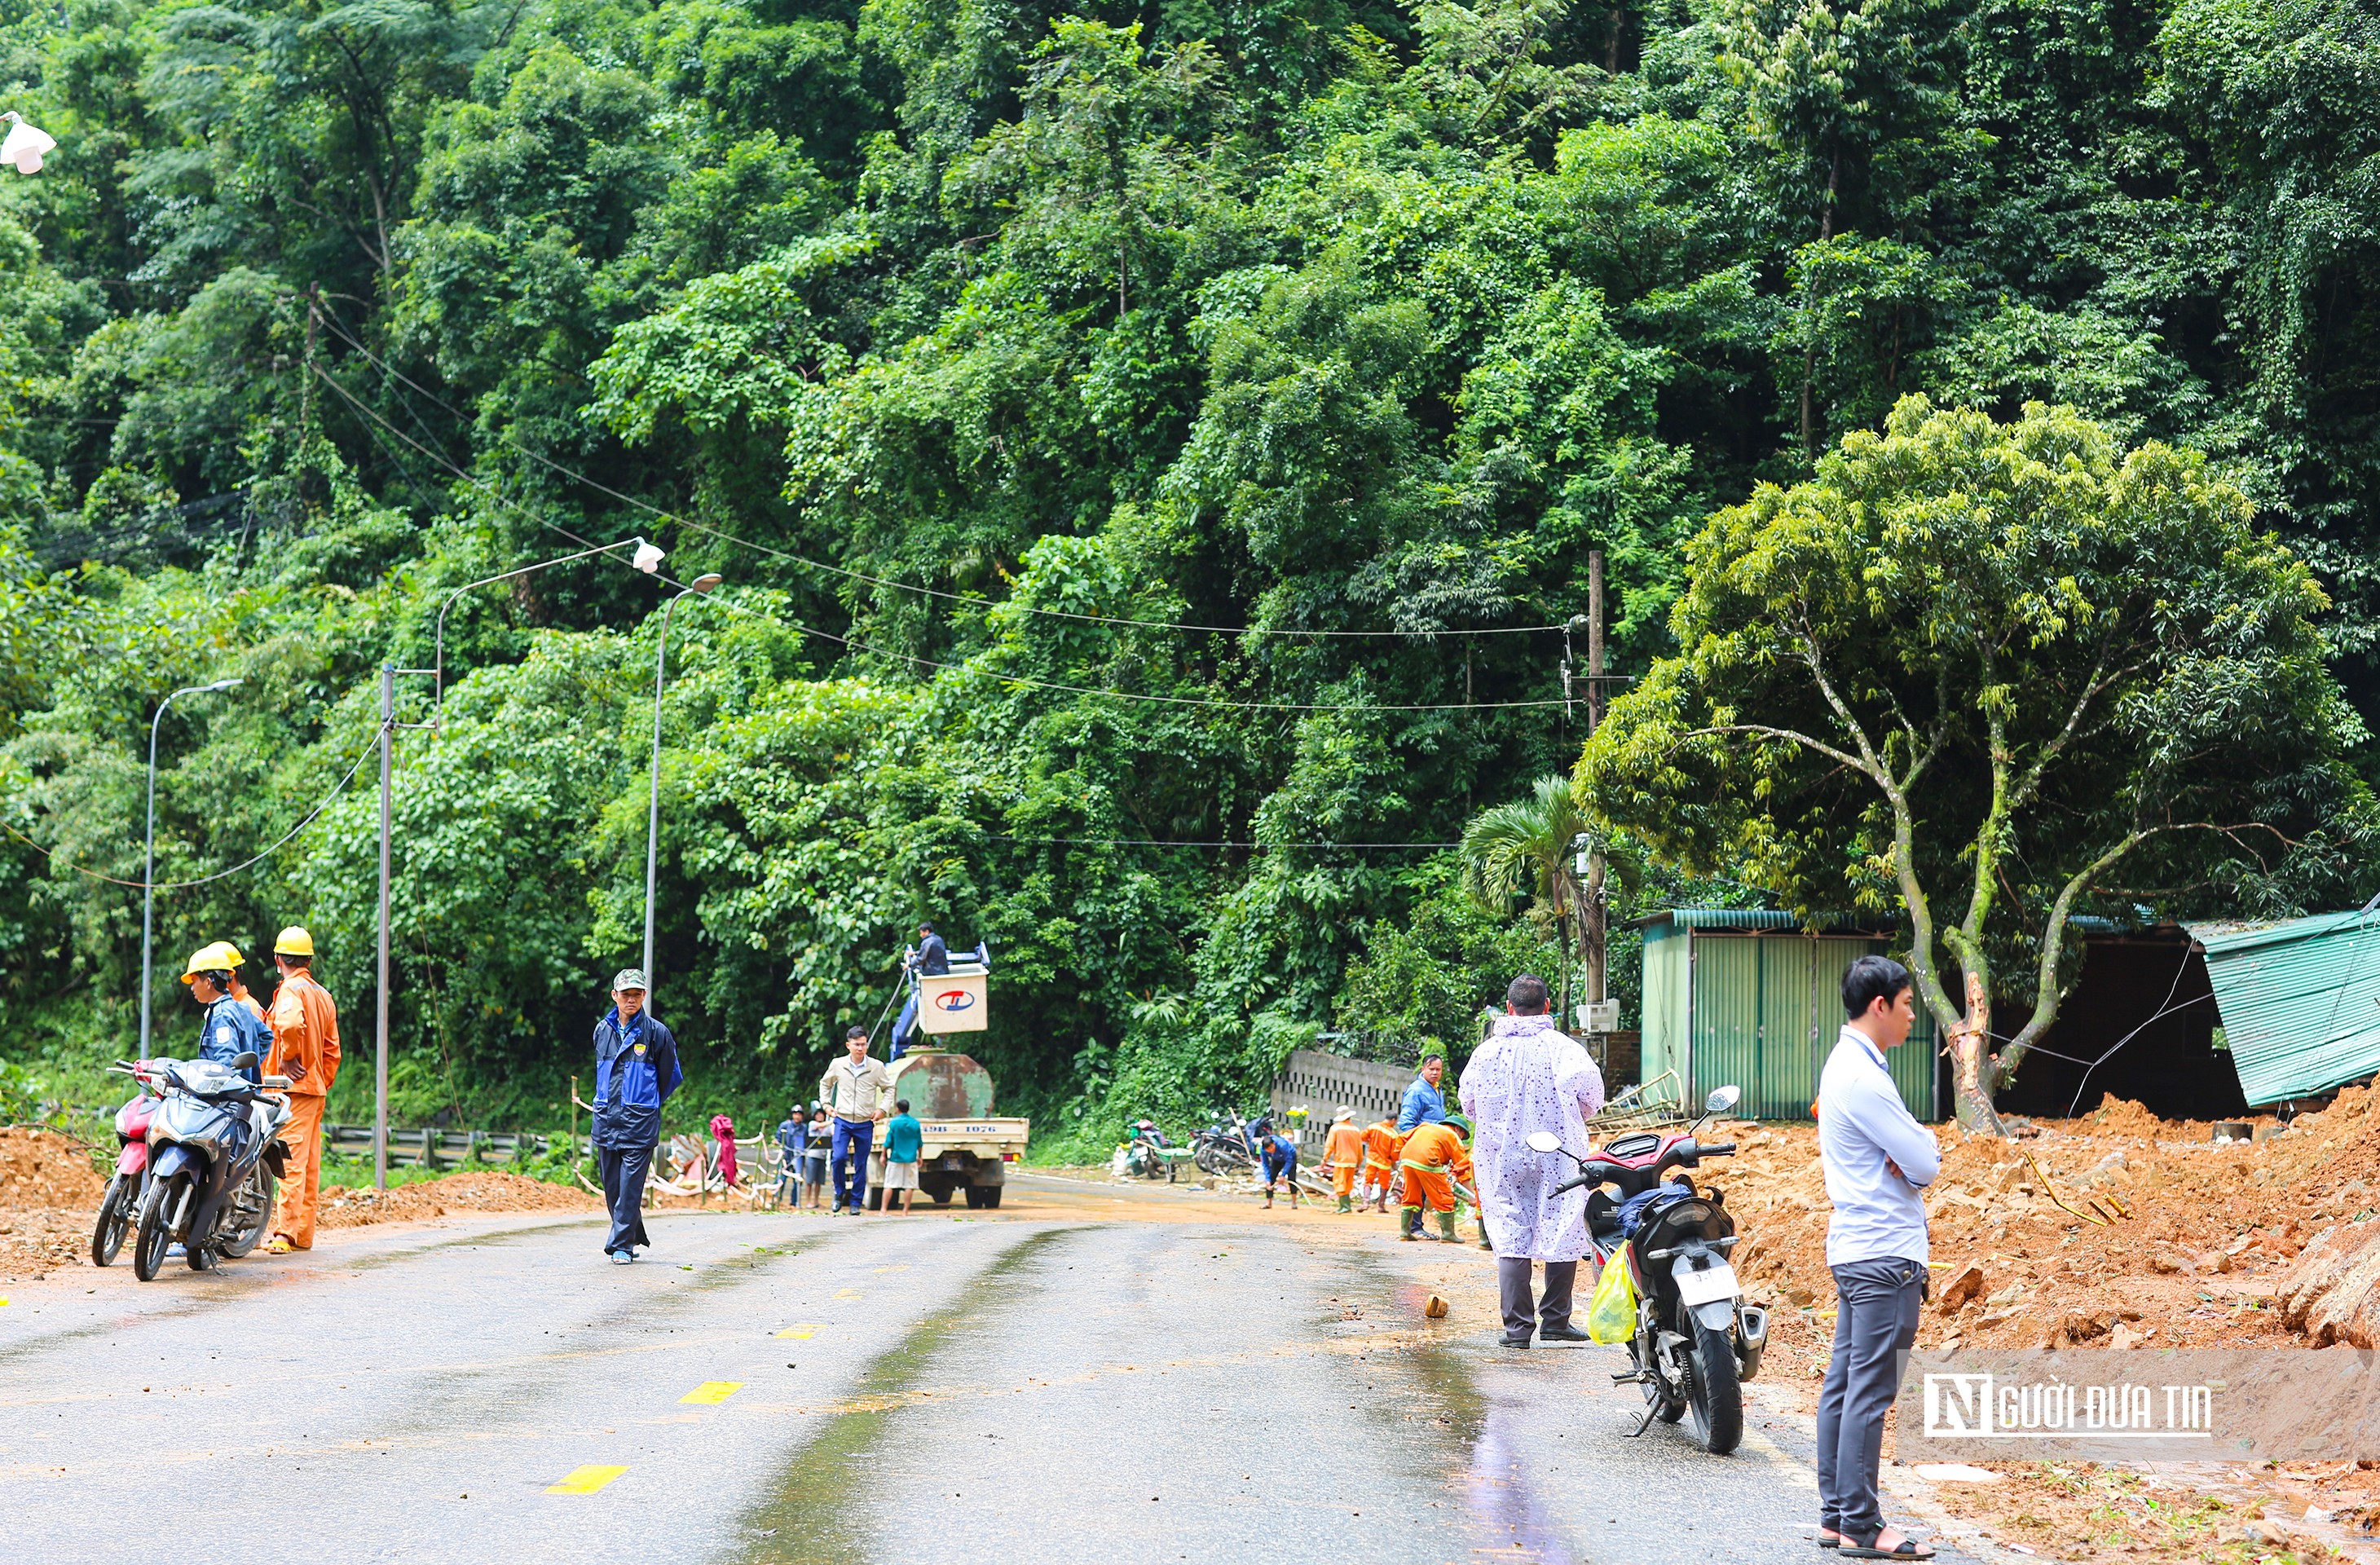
(930, 958)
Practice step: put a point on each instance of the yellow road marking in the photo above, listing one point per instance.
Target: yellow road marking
(585, 1480)
(714, 1391)
(800, 1333)
(848, 1294)
(882, 1269)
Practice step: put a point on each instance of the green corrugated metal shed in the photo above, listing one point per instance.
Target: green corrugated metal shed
(2299, 999)
(1747, 997)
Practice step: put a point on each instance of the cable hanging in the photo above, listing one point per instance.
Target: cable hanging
(916, 660)
(339, 329)
(338, 788)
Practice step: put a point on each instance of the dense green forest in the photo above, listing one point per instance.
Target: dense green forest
(1151, 453)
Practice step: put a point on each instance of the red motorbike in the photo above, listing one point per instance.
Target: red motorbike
(122, 1202)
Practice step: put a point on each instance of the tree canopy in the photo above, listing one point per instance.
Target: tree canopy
(1152, 452)
(1995, 677)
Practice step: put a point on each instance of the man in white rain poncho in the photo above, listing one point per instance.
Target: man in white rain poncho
(1529, 1076)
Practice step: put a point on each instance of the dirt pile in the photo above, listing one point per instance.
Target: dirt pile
(41, 1169)
(2113, 1230)
(481, 1191)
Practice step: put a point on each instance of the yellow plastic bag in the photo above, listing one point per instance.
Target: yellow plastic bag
(1611, 1313)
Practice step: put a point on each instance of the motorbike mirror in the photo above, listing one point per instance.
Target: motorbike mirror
(1544, 1141)
(243, 1059)
(1721, 1099)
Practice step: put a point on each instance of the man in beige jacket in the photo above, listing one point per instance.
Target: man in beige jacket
(856, 1091)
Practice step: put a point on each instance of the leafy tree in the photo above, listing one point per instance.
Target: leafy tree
(1525, 848)
(1991, 676)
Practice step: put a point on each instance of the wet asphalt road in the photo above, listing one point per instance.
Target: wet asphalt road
(1076, 1377)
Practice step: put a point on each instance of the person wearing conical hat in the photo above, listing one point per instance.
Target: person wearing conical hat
(1343, 1156)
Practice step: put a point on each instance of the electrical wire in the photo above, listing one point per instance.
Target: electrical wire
(338, 788)
(1171, 842)
(920, 661)
(339, 329)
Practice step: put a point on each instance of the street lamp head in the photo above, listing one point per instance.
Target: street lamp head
(647, 557)
(24, 145)
(220, 685)
(705, 582)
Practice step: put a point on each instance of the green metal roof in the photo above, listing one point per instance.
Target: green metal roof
(1831, 923)
(2301, 1001)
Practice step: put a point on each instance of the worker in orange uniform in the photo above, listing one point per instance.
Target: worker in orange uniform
(1436, 1157)
(306, 1050)
(1380, 1143)
(1343, 1154)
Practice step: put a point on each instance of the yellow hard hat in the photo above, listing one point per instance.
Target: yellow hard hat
(293, 941)
(218, 957)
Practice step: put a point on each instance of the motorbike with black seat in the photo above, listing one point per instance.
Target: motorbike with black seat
(215, 1153)
(1695, 1340)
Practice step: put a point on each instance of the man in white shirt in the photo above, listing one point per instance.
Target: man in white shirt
(1878, 1160)
(856, 1091)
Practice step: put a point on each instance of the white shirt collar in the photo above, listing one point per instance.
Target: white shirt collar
(1867, 1046)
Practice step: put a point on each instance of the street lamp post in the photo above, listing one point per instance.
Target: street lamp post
(647, 559)
(149, 858)
(653, 817)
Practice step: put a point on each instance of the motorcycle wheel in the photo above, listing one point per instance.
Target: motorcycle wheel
(1667, 1409)
(151, 1236)
(1714, 1392)
(116, 1214)
(256, 1203)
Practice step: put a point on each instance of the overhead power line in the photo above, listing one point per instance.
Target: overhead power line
(920, 661)
(338, 329)
(336, 789)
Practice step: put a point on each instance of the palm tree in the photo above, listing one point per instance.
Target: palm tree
(1524, 848)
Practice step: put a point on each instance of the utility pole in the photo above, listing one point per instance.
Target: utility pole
(380, 1050)
(1593, 869)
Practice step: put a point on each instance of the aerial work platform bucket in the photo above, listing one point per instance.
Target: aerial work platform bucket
(956, 1001)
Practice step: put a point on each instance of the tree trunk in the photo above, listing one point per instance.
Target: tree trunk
(1971, 1067)
(1810, 345)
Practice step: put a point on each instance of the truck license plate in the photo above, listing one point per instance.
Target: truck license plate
(1702, 1287)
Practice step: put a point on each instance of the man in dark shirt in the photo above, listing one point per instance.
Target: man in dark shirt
(931, 958)
(636, 1071)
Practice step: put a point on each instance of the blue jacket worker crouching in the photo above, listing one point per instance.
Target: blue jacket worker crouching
(636, 1071)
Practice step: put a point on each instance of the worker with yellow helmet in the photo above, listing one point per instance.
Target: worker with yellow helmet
(305, 1049)
(228, 1029)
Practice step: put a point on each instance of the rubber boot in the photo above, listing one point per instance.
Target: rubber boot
(1482, 1235)
(1409, 1224)
(1346, 1203)
(1446, 1228)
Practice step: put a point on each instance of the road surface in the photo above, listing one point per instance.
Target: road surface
(1079, 1376)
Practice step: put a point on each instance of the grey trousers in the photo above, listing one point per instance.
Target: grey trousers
(1875, 1324)
(1521, 1317)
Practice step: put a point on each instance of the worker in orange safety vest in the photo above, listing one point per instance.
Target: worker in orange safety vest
(1380, 1144)
(1436, 1158)
(1343, 1154)
(305, 1049)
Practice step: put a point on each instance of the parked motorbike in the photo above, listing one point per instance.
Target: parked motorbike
(119, 1206)
(1147, 1157)
(214, 1157)
(1223, 1149)
(1696, 1340)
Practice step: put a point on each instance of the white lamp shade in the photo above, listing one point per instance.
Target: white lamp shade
(24, 146)
(647, 557)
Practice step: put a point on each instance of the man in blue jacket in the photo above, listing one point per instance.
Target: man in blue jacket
(1423, 1105)
(636, 1071)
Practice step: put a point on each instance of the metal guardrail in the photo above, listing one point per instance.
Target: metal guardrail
(430, 1148)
